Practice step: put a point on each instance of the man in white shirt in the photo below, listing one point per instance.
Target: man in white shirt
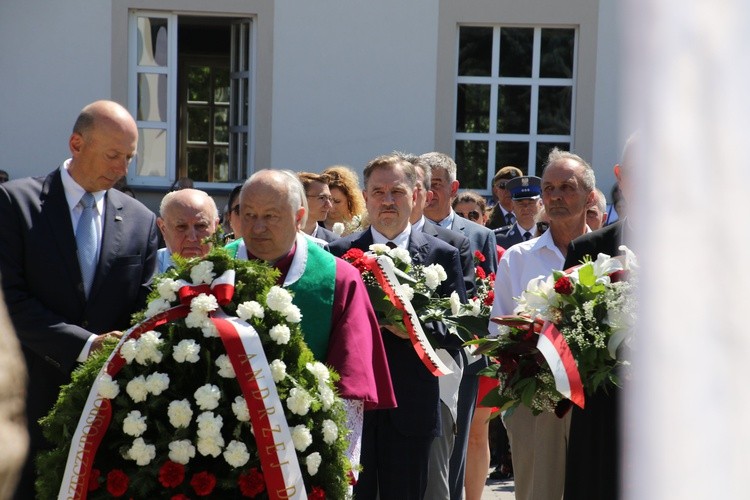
(538, 444)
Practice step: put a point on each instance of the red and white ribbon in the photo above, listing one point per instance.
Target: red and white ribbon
(276, 451)
(560, 359)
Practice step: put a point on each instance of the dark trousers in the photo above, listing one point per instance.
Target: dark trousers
(394, 465)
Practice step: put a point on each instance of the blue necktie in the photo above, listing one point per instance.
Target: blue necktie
(526, 236)
(86, 241)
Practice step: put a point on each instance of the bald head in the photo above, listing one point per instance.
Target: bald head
(187, 217)
(272, 210)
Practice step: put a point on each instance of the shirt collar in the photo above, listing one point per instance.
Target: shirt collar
(74, 192)
(401, 239)
(448, 221)
(419, 225)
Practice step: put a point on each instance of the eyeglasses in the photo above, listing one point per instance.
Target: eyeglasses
(322, 198)
(501, 185)
(472, 215)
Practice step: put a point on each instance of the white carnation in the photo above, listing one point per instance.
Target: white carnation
(280, 334)
(187, 350)
(108, 388)
(156, 383)
(292, 314)
(338, 228)
(181, 451)
(475, 306)
(330, 431)
(236, 454)
(180, 414)
(434, 274)
(196, 319)
(299, 401)
(406, 291)
(239, 408)
(141, 452)
(379, 248)
(327, 397)
(147, 348)
(225, 366)
(209, 329)
(319, 370)
(167, 289)
(278, 370)
(156, 306)
(301, 437)
(134, 424)
(128, 350)
(207, 397)
(209, 424)
(210, 445)
(455, 302)
(202, 273)
(400, 254)
(204, 303)
(137, 389)
(278, 299)
(313, 462)
(249, 310)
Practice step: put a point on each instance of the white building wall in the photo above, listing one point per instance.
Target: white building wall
(54, 59)
(352, 80)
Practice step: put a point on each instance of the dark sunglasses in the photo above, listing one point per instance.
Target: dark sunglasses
(472, 216)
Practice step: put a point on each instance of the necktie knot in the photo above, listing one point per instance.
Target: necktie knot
(510, 218)
(391, 245)
(88, 201)
(526, 236)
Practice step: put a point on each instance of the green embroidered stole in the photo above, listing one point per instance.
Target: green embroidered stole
(313, 294)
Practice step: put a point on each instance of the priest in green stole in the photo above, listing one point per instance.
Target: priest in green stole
(338, 321)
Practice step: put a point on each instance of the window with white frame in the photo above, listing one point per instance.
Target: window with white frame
(514, 99)
(189, 81)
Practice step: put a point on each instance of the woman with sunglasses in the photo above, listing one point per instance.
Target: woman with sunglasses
(472, 206)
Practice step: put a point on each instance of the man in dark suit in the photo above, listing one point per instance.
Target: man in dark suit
(502, 214)
(74, 254)
(396, 442)
(594, 439)
(525, 192)
(444, 186)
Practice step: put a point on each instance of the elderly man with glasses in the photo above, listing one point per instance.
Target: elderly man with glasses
(319, 202)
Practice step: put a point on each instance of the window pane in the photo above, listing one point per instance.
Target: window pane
(557, 53)
(542, 152)
(473, 108)
(514, 109)
(152, 41)
(221, 164)
(474, 51)
(199, 80)
(471, 159)
(221, 85)
(221, 125)
(152, 152)
(197, 124)
(516, 47)
(512, 153)
(152, 97)
(554, 110)
(197, 163)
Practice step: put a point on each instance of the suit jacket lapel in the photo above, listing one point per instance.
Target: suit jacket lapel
(54, 205)
(112, 233)
(418, 247)
(364, 240)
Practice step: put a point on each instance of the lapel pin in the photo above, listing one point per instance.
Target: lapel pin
(118, 218)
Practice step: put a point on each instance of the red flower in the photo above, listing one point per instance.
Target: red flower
(563, 286)
(478, 256)
(480, 273)
(352, 479)
(317, 494)
(252, 483)
(490, 298)
(353, 254)
(180, 496)
(171, 474)
(492, 277)
(117, 482)
(203, 483)
(94, 479)
(616, 276)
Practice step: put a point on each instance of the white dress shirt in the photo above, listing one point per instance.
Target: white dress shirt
(401, 240)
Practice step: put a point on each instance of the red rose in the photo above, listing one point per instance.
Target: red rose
(490, 298)
(478, 256)
(563, 286)
(352, 479)
(94, 479)
(117, 482)
(180, 496)
(353, 254)
(480, 273)
(317, 494)
(171, 474)
(252, 483)
(203, 483)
